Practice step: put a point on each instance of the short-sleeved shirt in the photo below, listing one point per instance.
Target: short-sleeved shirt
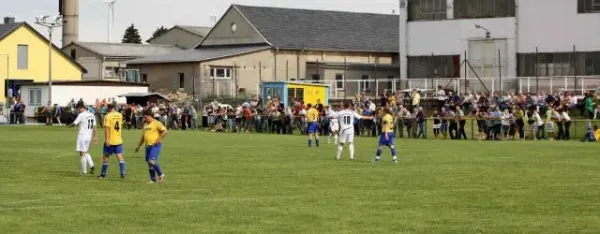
(312, 115)
(388, 123)
(86, 122)
(113, 121)
(152, 132)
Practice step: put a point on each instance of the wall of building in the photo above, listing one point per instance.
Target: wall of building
(178, 37)
(63, 94)
(555, 26)
(62, 67)
(87, 59)
(164, 78)
(222, 33)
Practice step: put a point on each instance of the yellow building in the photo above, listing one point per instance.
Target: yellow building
(24, 59)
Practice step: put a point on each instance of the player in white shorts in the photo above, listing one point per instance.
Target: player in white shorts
(86, 122)
(346, 130)
(334, 126)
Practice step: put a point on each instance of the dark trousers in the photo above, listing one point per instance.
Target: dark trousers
(561, 132)
(461, 129)
(567, 130)
(521, 128)
(453, 130)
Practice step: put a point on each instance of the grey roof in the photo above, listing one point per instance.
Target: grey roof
(198, 30)
(197, 55)
(127, 50)
(287, 28)
(6, 29)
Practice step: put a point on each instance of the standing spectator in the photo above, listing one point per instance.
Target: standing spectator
(453, 124)
(460, 115)
(550, 118)
(496, 116)
(416, 99)
(566, 124)
(519, 121)
(539, 123)
(505, 119)
(444, 126)
(58, 113)
(186, 117)
(441, 97)
(560, 124)
(48, 110)
(481, 125)
(589, 106)
(437, 123)
(194, 118)
(421, 123)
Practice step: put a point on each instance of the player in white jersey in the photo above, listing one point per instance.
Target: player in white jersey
(346, 131)
(334, 126)
(86, 122)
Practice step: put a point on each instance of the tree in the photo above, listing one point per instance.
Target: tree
(132, 35)
(159, 31)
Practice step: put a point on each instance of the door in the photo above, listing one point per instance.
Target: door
(485, 60)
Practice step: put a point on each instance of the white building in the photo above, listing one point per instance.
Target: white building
(435, 34)
(35, 95)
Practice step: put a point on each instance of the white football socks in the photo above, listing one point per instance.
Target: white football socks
(335, 138)
(351, 149)
(89, 160)
(83, 164)
(340, 149)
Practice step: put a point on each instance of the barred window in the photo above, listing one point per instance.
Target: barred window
(468, 9)
(559, 64)
(434, 66)
(427, 10)
(588, 6)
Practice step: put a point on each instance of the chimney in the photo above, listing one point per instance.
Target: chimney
(69, 9)
(9, 20)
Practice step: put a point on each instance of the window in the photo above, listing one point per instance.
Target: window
(339, 81)
(467, 9)
(588, 6)
(364, 85)
(220, 73)
(427, 10)
(181, 80)
(446, 66)
(22, 57)
(315, 78)
(390, 82)
(35, 97)
(558, 64)
(144, 78)
(73, 54)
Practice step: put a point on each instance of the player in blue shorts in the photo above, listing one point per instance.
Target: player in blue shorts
(113, 142)
(387, 135)
(154, 132)
(312, 128)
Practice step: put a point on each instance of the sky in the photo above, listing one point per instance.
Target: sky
(147, 15)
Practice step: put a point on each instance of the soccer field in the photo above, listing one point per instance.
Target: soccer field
(275, 184)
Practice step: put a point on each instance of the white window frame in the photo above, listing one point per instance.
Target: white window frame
(339, 82)
(227, 73)
(35, 97)
(365, 83)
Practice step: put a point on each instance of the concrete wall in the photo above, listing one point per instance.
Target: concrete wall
(91, 61)
(164, 78)
(178, 37)
(555, 26)
(223, 35)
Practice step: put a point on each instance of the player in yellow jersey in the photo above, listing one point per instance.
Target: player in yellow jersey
(387, 135)
(154, 132)
(113, 143)
(312, 122)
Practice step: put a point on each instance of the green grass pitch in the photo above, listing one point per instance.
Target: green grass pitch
(275, 184)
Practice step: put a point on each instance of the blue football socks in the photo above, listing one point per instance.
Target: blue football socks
(104, 169)
(122, 166)
(157, 169)
(152, 173)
